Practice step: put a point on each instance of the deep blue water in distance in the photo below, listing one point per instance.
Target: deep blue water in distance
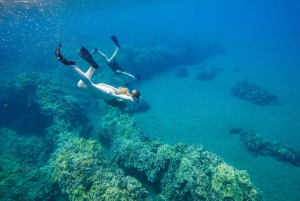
(259, 23)
(261, 38)
(258, 27)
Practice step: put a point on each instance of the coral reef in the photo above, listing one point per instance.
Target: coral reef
(210, 74)
(181, 73)
(24, 174)
(231, 183)
(254, 143)
(35, 106)
(41, 105)
(179, 172)
(250, 92)
(77, 167)
(83, 174)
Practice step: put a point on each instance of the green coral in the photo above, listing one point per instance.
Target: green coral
(55, 103)
(182, 172)
(115, 194)
(83, 174)
(234, 184)
(24, 173)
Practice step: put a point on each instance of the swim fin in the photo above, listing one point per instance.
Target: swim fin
(83, 53)
(94, 51)
(115, 40)
(61, 58)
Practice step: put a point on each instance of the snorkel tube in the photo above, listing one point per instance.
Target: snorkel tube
(127, 85)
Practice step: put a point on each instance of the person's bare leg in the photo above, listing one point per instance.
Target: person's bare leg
(104, 56)
(82, 76)
(89, 74)
(113, 57)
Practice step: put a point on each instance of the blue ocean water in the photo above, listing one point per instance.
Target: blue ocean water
(259, 41)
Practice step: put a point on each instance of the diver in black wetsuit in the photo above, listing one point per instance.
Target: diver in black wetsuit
(114, 65)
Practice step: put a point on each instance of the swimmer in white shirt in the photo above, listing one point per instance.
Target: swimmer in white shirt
(120, 97)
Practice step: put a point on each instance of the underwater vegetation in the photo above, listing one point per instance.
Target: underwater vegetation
(250, 92)
(178, 172)
(257, 145)
(56, 161)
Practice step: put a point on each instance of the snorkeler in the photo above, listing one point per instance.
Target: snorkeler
(113, 64)
(120, 97)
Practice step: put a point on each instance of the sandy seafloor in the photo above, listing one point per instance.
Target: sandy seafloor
(202, 112)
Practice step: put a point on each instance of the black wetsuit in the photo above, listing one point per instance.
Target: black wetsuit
(115, 66)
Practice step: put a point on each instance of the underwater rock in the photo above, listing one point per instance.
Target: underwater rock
(84, 174)
(76, 168)
(44, 107)
(24, 173)
(255, 144)
(178, 172)
(252, 93)
(229, 183)
(80, 172)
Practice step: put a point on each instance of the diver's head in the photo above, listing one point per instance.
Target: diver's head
(136, 94)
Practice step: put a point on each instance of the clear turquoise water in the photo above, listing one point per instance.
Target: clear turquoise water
(261, 39)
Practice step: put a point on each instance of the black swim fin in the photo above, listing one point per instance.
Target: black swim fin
(115, 40)
(61, 58)
(83, 53)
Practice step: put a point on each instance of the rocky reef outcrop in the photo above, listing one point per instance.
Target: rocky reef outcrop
(250, 92)
(55, 160)
(258, 146)
(178, 172)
